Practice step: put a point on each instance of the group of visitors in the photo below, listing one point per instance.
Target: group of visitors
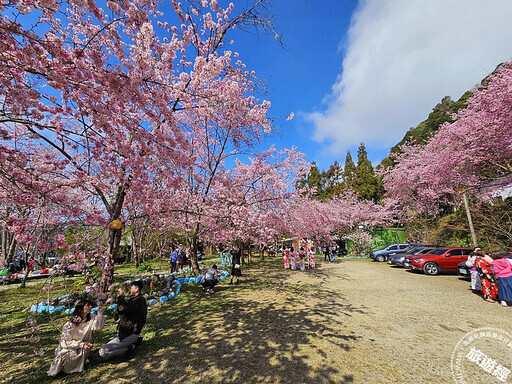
(75, 341)
(330, 253)
(301, 260)
(491, 275)
(20, 266)
(179, 259)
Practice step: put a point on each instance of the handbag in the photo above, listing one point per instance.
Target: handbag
(237, 266)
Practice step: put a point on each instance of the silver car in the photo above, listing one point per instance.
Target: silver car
(398, 260)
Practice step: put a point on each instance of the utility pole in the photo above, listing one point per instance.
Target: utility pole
(470, 221)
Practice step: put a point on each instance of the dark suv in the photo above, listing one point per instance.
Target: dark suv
(398, 258)
(384, 253)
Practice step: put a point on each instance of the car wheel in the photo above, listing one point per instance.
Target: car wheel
(380, 258)
(431, 268)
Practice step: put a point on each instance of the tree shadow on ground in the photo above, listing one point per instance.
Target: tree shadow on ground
(242, 342)
(265, 330)
(286, 334)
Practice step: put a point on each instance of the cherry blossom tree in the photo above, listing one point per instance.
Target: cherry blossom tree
(117, 94)
(463, 156)
(222, 205)
(362, 241)
(309, 218)
(35, 203)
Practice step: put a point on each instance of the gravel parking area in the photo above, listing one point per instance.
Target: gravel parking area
(405, 324)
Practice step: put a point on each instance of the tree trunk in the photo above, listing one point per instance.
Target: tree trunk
(25, 257)
(142, 246)
(129, 253)
(470, 221)
(135, 251)
(114, 239)
(11, 249)
(3, 244)
(262, 253)
(192, 246)
(8, 246)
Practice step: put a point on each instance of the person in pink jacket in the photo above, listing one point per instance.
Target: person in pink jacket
(286, 258)
(502, 268)
(293, 260)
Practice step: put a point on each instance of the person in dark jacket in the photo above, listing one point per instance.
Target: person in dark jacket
(133, 312)
(174, 260)
(210, 279)
(181, 260)
(236, 269)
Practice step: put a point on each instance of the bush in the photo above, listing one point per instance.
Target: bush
(145, 267)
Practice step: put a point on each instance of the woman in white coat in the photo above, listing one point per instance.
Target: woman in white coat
(76, 339)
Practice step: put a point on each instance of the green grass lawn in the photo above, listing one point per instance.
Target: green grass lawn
(20, 363)
(230, 336)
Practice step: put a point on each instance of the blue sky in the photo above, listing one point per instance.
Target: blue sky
(366, 71)
(357, 71)
(299, 75)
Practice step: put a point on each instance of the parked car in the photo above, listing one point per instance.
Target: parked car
(409, 249)
(399, 258)
(381, 254)
(387, 255)
(440, 260)
(463, 270)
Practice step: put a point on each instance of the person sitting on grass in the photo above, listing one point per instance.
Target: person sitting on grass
(210, 279)
(76, 339)
(133, 313)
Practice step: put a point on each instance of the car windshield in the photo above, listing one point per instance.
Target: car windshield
(423, 251)
(440, 251)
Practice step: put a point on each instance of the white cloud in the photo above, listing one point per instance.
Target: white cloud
(402, 57)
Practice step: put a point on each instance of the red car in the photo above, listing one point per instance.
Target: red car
(441, 260)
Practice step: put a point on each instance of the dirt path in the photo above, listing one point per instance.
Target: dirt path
(357, 321)
(348, 322)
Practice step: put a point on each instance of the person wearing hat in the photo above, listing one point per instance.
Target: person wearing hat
(133, 312)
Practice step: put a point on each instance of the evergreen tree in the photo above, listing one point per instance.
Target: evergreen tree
(424, 131)
(366, 184)
(315, 180)
(333, 180)
(349, 172)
